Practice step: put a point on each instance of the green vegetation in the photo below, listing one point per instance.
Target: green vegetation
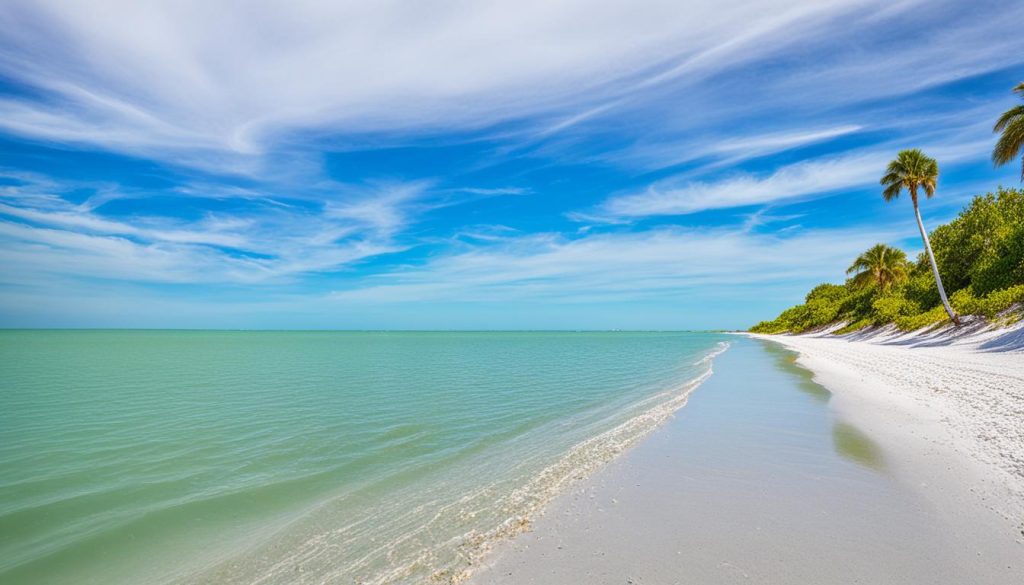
(980, 255)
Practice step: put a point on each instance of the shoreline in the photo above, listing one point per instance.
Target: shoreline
(581, 462)
(771, 497)
(949, 405)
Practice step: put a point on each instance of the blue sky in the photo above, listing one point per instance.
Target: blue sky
(453, 165)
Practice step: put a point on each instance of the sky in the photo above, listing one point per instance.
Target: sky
(555, 164)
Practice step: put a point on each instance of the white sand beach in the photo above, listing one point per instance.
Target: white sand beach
(950, 401)
(753, 482)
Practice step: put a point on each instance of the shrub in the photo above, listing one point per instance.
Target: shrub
(984, 246)
(835, 293)
(858, 304)
(770, 327)
(989, 305)
(913, 322)
(920, 288)
(855, 326)
(1005, 267)
(889, 308)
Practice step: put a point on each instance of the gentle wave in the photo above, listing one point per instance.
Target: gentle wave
(453, 560)
(293, 457)
(578, 464)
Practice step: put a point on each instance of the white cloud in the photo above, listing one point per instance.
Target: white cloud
(813, 177)
(53, 236)
(796, 180)
(866, 70)
(255, 91)
(619, 266)
(186, 77)
(724, 151)
(88, 222)
(331, 228)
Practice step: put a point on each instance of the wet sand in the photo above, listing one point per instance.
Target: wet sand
(758, 479)
(951, 399)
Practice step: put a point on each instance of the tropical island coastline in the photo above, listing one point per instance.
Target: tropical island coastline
(932, 372)
(933, 417)
(454, 293)
(941, 375)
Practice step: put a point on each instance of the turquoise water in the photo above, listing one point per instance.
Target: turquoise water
(307, 457)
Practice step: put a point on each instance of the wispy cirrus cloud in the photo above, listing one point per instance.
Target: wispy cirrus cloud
(148, 79)
(519, 273)
(675, 197)
(203, 85)
(661, 263)
(867, 72)
(728, 151)
(331, 226)
(45, 233)
(821, 176)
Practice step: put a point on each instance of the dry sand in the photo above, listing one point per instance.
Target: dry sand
(755, 482)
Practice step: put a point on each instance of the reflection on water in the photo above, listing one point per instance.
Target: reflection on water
(850, 442)
(785, 359)
(853, 444)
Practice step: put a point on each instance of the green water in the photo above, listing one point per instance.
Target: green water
(306, 457)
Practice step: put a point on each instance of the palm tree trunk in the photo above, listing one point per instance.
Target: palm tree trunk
(935, 267)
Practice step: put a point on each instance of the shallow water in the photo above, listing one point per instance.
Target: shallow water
(270, 457)
(849, 442)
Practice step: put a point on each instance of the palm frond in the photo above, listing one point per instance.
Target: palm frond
(889, 178)
(1014, 113)
(858, 265)
(1011, 124)
(892, 191)
(880, 265)
(862, 279)
(1009, 143)
(929, 187)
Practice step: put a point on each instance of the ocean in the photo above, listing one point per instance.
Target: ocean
(308, 457)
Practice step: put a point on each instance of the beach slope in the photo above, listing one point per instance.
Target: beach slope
(898, 463)
(950, 402)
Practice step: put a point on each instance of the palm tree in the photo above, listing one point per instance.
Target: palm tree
(1011, 124)
(913, 170)
(881, 265)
